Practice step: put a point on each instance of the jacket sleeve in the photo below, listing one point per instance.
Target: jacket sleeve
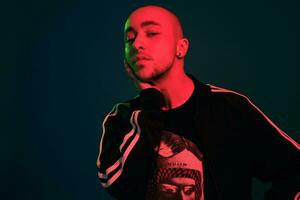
(125, 157)
(275, 155)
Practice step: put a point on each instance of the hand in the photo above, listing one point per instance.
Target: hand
(155, 99)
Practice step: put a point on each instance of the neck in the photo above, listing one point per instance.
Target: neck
(176, 87)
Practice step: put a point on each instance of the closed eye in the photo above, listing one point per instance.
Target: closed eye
(130, 37)
(152, 34)
(130, 40)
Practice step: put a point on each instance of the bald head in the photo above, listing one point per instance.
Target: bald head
(158, 14)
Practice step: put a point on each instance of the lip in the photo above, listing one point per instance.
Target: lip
(140, 57)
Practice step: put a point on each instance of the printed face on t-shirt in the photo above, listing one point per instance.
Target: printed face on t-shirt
(179, 173)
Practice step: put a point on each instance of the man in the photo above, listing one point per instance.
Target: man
(221, 139)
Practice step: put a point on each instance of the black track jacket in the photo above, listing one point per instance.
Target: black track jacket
(238, 142)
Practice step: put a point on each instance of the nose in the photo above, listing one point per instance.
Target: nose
(138, 43)
(183, 196)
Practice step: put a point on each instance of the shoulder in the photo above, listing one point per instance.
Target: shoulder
(220, 98)
(231, 98)
(216, 94)
(227, 94)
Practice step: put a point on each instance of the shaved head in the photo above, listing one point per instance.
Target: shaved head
(170, 16)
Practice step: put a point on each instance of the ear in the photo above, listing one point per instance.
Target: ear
(182, 48)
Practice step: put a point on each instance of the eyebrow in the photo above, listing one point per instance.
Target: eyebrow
(144, 23)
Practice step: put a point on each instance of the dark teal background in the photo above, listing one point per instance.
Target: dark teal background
(70, 74)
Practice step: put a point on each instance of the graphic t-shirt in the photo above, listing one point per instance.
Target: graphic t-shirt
(179, 173)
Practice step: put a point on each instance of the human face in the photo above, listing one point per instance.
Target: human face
(150, 43)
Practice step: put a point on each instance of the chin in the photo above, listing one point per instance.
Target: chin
(144, 76)
(148, 76)
(145, 79)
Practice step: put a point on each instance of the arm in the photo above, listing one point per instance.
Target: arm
(276, 156)
(126, 151)
(120, 152)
